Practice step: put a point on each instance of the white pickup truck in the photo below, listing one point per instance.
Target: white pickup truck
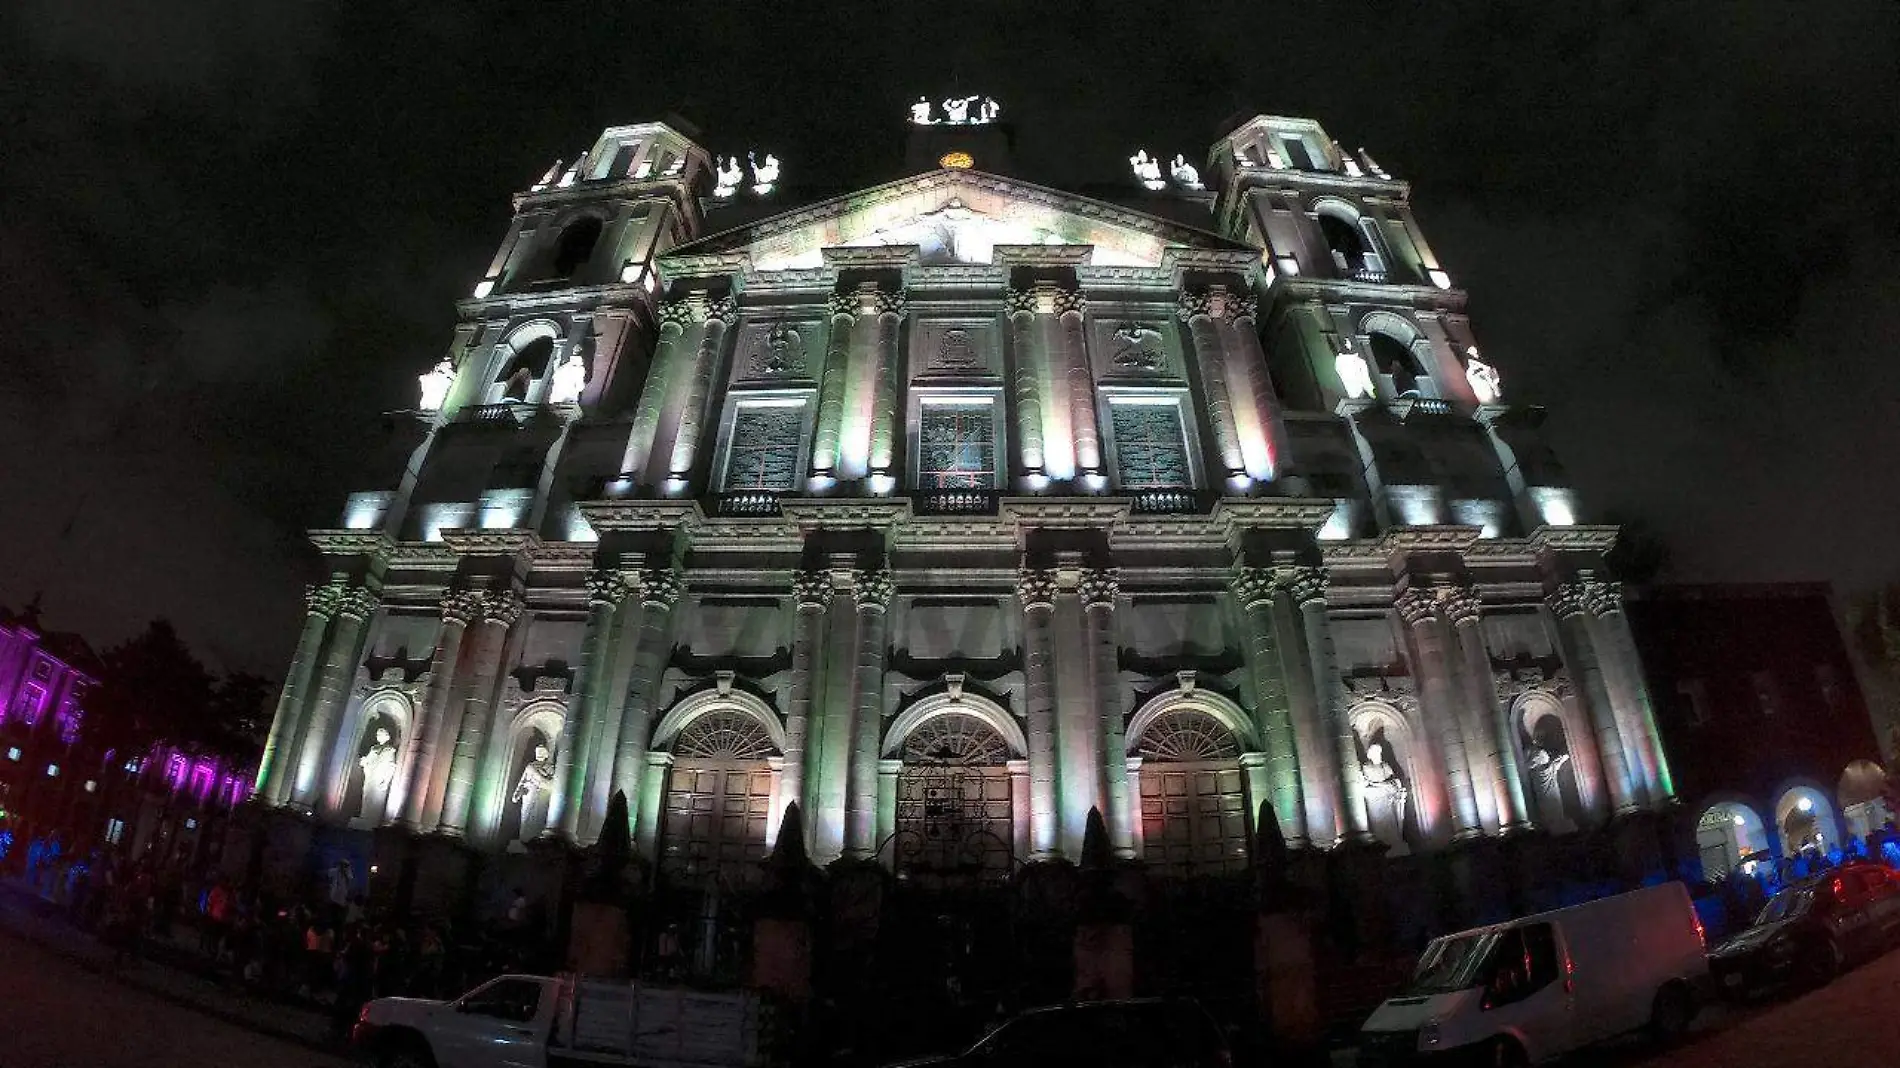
(535, 1021)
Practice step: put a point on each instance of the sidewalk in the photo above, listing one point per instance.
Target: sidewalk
(26, 916)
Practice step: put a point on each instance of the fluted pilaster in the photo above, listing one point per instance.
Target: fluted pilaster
(1197, 309)
(660, 590)
(275, 768)
(1254, 592)
(354, 607)
(1568, 604)
(812, 592)
(675, 316)
(1316, 721)
(479, 681)
(890, 314)
(872, 590)
(706, 364)
(607, 590)
(433, 733)
(1098, 591)
(842, 310)
(1489, 732)
(1026, 379)
(1430, 648)
(1069, 306)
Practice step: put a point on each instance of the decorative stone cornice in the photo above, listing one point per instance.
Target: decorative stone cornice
(1598, 539)
(1036, 587)
(1399, 691)
(607, 587)
(1449, 538)
(1512, 683)
(873, 589)
(480, 541)
(847, 513)
(1460, 604)
(357, 603)
(1253, 587)
(661, 587)
(811, 589)
(668, 514)
(1098, 587)
(1070, 513)
(461, 606)
(1416, 606)
(502, 607)
(1303, 584)
(1274, 513)
(350, 542)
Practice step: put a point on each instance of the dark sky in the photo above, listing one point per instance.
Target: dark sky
(231, 233)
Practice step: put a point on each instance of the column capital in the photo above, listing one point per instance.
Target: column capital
(1461, 604)
(1193, 303)
(873, 589)
(502, 607)
(723, 308)
(1303, 584)
(461, 606)
(680, 313)
(1099, 586)
(661, 587)
(1599, 597)
(607, 587)
(323, 600)
(1253, 587)
(1021, 300)
(1566, 600)
(1036, 587)
(1416, 606)
(890, 301)
(1242, 306)
(811, 589)
(1069, 299)
(357, 603)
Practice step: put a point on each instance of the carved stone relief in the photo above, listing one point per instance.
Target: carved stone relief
(776, 350)
(955, 347)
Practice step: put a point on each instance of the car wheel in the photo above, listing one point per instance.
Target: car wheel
(1506, 1053)
(1823, 963)
(1669, 1016)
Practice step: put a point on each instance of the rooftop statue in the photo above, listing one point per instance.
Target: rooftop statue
(569, 379)
(1484, 378)
(1183, 173)
(1147, 170)
(435, 385)
(730, 174)
(920, 112)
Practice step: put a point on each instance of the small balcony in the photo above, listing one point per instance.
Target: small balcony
(747, 503)
(1170, 500)
(955, 502)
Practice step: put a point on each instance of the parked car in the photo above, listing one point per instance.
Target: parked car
(1532, 989)
(1142, 1033)
(1811, 930)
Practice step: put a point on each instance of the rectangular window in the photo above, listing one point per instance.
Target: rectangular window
(762, 452)
(956, 444)
(1151, 450)
(1298, 156)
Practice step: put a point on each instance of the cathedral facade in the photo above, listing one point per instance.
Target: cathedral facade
(956, 509)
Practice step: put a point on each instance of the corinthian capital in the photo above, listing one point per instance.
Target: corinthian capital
(1601, 598)
(1069, 300)
(322, 600)
(1036, 587)
(1416, 606)
(1461, 605)
(1566, 600)
(607, 587)
(1241, 307)
(890, 301)
(680, 313)
(357, 603)
(1099, 587)
(1303, 584)
(502, 608)
(1195, 302)
(873, 588)
(1253, 586)
(845, 304)
(1021, 300)
(812, 589)
(723, 308)
(660, 587)
(461, 606)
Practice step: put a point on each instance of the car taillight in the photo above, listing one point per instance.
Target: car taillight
(362, 1016)
(1701, 936)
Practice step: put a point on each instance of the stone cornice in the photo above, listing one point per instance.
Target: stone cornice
(351, 542)
(1072, 256)
(955, 532)
(747, 533)
(1274, 513)
(1349, 291)
(849, 513)
(642, 515)
(1430, 539)
(420, 554)
(1599, 539)
(565, 555)
(1065, 512)
(476, 541)
(566, 301)
(870, 257)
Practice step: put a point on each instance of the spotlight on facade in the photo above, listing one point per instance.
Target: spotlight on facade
(52, 771)
(92, 786)
(13, 753)
(1806, 804)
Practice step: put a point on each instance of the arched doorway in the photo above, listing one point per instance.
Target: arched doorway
(1863, 800)
(954, 815)
(1193, 797)
(1726, 834)
(1805, 819)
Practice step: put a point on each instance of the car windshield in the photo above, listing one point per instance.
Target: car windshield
(1450, 963)
(1785, 906)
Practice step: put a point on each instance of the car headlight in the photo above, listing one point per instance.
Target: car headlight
(1428, 1034)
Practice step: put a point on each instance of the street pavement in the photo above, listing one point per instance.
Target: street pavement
(60, 1015)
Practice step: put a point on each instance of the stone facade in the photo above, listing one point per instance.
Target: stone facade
(955, 509)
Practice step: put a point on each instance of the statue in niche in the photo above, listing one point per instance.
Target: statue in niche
(956, 110)
(435, 386)
(569, 379)
(1551, 778)
(1484, 378)
(378, 764)
(780, 352)
(533, 788)
(1183, 173)
(1147, 170)
(1139, 347)
(1354, 376)
(1386, 795)
(920, 112)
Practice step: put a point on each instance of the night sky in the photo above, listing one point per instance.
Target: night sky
(231, 234)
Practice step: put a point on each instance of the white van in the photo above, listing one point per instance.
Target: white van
(1526, 991)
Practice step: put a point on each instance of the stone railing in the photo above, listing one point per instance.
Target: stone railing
(746, 503)
(955, 502)
(1169, 500)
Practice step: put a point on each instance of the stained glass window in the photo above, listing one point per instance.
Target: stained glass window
(1150, 446)
(763, 454)
(957, 445)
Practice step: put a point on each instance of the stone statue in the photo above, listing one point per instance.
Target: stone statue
(1183, 173)
(531, 791)
(956, 110)
(1484, 378)
(569, 379)
(920, 112)
(435, 386)
(1354, 376)
(1147, 171)
(730, 174)
(379, 770)
(1547, 775)
(764, 175)
(1386, 795)
(987, 110)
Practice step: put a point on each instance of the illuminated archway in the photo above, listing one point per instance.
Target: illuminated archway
(1728, 833)
(1805, 817)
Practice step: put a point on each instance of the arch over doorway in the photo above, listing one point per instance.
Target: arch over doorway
(1727, 833)
(1194, 804)
(965, 703)
(1804, 816)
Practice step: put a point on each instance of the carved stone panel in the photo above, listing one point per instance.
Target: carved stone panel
(953, 348)
(953, 628)
(778, 351)
(1135, 348)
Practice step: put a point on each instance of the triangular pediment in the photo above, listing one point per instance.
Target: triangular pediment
(956, 216)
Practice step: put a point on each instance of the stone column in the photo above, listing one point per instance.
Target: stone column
(1036, 588)
(1623, 672)
(479, 680)
(1254, 772)
(675, 316)
(1098, 591)
(1316, 716)
(887, 773)
(890, 313)
(659, 591)
(1267, 456)
(604, 745)
(1080, 783)
(606, 590)
(824, 446)
(706, 364)
(1069, 305)
(811, 590)
(649, 812)
(355, 606)
(276, 768)
(873, 593)
(1489, 731)
(1335, 708)
(1431, 666)
(1568, 605)
(1253, 590)
(1018, 805)
(1026, 373)
(435, 730)
(1197, 310)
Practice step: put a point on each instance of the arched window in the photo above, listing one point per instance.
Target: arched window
(953, 800)
(575, 245)
(1399, 365)
(526, 363)
(718, 795)
(1193, 799)
(1353, 241)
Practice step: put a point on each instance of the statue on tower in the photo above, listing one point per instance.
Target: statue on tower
(988, 109)
(1147, 170)
(1183, 173)
(730, 174)
(1484, 378)
(764, 174)
(569, 379)
(920, 112)
(435, 385)
(1354, 376)
(956, 110)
